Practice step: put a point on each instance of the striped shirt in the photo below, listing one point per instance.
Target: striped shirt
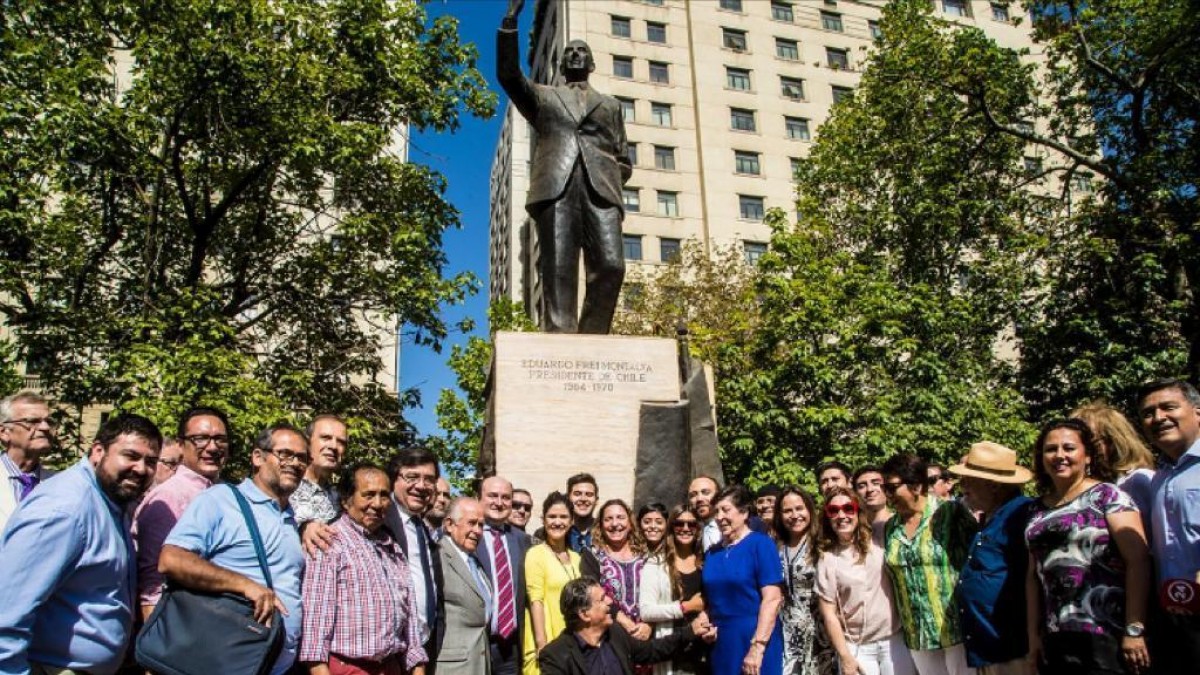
(358, 600)
(924, 571)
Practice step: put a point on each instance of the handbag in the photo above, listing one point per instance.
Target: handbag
(197, 633)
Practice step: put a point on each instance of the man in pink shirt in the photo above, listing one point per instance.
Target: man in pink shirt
(204, 435)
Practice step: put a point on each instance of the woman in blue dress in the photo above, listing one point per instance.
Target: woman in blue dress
(742, 589)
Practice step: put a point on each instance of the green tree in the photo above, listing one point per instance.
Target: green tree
(10, 379)
(884, 309)
(462, 416)
(1123, 107)
(204, 202)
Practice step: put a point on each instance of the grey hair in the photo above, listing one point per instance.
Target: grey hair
(454, 512)
(23, 396)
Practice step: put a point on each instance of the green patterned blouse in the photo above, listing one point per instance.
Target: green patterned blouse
(924, 571)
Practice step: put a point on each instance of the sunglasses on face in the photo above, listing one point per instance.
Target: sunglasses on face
(849, 508)
(518, 506)
(684, 525)
(891, 488)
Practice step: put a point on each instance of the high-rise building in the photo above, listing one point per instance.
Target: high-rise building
(721, 97)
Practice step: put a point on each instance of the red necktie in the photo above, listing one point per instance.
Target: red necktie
(506, 618)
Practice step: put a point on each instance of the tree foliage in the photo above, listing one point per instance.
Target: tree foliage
(884, 306)
(205, 202)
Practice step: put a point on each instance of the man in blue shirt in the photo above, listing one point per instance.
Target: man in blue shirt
(991, 585)
(1170, 415)
(210, 548)
(67, 558)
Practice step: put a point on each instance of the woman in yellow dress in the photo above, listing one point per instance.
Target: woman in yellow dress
(548, 567)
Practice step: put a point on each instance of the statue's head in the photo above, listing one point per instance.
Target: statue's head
(577, 62)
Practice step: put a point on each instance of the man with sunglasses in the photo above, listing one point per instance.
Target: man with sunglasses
(203, 434)
(522, 508)
(210, 549)
(26, 434)
(941, 482)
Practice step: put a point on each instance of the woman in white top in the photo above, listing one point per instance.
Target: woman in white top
(855, 593)
(670, 590)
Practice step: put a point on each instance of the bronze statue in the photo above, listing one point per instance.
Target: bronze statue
(580, 163)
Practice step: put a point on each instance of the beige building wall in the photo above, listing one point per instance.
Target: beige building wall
(720, 175)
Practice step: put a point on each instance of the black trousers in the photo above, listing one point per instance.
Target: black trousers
(505, 654)
(1071, 653)
(1174, 642)
(580, 219)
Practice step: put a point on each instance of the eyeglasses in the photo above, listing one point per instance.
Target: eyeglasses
(891, 488)
(684, 525)
(941, 476)
(414, 478)
(518, 506)
(171, 464)
(849, 508)
(288, 457)
(32, 423)
(202, 440)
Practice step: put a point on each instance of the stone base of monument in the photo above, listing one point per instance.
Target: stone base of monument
(612, 406)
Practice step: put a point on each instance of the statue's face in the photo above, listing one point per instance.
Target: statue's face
(577, 61)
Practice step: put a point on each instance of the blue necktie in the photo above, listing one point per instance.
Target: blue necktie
(28, 481)
(480, 584)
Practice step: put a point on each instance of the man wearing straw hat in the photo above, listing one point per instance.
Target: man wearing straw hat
(991, 585)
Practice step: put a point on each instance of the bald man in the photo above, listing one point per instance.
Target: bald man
(502, 553)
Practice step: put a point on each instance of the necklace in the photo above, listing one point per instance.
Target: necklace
(567, 568)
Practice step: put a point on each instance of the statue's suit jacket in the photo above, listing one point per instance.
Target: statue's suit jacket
(464, 649)
(566, 131)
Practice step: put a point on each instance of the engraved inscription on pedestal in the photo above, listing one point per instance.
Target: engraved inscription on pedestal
(570, 403)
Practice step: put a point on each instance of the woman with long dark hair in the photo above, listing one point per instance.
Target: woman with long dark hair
(616, 560)
(795, 527)
(671, 590)
(548, 568)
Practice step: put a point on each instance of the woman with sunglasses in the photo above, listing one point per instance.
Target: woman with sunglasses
(548, 568)
(795, 527)
(926, 543)
(670, 595)
(1089, 572)
(616, 560)
(855, 593)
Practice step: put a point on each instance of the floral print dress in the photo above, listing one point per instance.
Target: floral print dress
(806, 647)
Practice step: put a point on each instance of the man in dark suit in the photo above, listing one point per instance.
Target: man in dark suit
(593, 644)
(414, 473)
(466, 593)
(502, 552)
(580, 163)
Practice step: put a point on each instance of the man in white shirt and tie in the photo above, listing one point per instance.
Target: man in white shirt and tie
(414, 474)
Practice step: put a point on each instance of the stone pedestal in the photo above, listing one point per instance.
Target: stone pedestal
(565, 404)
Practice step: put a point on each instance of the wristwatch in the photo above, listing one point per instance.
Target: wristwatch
(1135, 629)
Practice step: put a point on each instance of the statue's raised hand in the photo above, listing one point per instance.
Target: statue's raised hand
(515, 7)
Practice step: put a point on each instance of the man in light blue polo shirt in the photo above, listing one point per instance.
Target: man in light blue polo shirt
(1170, 415)
(67, 560)
(210, 548)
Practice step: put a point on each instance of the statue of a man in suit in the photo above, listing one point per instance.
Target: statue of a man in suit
(580, 164)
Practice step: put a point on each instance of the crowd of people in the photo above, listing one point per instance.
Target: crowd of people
(906, 567)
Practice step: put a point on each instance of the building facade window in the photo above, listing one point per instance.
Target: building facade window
(787, 49)
(737, 78)
(782, 11)
(955, 7)
(741, 119)
(656, 3)
(794, 164)
(633, 246)
(631, 152)
(669, 250)
(841, 93)
(620, 27)
(731, 5)
(838, 59)
(628, 110)
(623, 67)
(876, 31)
(660, 114)
(664, 157)
(999, 12)
(1082, 183)
(831, 21)
(746, 162)
(796, 127)
(753, 250)
(668, 203)
(660, 72)
(1032, 165)
(733, 39)
(656, 32)
(632, 198)
(792, 88)
(750, 207)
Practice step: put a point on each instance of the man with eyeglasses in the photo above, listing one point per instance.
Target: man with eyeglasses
(414, 474)
(502, 554)
(203, 435)
(27, 434)
(316, 502)
(210, 549)
(168, 461)
(522, 508)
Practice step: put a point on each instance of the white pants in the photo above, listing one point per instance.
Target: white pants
(885, 657)
(948, 661)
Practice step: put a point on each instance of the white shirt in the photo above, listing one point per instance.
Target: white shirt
(412, 549)
(710, 536)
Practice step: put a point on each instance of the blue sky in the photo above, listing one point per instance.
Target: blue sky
(465, 158)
